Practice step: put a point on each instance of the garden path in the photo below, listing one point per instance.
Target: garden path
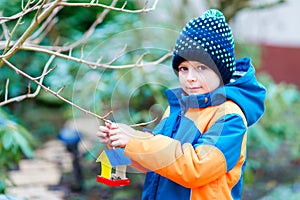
(36, 176)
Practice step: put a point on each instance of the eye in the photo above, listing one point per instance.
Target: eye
(182, 68)
(202, 67)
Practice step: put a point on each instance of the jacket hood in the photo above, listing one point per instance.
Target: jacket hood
(246, 91)
(243, 89)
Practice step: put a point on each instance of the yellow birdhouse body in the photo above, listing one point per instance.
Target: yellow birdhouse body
(106, 171)
(106, 167)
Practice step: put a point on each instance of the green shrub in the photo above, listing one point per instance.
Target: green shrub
(15, 142)
(274, 142)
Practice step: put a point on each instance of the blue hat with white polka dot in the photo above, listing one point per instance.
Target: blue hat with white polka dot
(207, 39)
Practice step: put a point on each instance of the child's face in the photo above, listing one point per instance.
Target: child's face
(197, 78)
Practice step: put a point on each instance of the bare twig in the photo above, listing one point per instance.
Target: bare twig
(13, 31)
(22, 13)
(30, 95)
(144, 123)
(117, 56)
(99, 60)
(29, 30)
(140, 59)
(44, 34)
(82, 52)
(50, 21)
(122, 9)
(91, 64)
(40, 26)
(6, 89)
(91, 4)
(52, 7)
(109, 113)
(5, 30)
(47, 89)
(47, 30)
(28, 87)
(61, 89)
(45, 73)
(56, 94)
(98, 21)
(124, 5)
(36, 17)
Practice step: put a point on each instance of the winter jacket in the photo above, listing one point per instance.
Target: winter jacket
(198, 150)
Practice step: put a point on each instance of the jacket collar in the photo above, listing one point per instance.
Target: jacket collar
(177, 98)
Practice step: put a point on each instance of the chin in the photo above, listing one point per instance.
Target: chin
(196, 93)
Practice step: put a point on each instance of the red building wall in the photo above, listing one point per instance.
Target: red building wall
(282, 63)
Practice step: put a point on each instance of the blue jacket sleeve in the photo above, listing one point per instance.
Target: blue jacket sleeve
(227, 134)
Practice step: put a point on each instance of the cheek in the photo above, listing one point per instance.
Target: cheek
(182, 81)
(215, 82)
(180, 78)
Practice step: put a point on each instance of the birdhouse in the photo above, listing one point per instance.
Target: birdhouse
(113, 164)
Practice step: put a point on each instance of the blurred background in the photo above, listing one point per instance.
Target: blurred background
(48, 148)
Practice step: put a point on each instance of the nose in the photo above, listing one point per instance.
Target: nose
(191, 76)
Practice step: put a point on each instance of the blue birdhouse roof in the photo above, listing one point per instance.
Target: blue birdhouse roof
(116, 157)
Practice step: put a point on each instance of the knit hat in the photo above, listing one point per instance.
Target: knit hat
(207, 39)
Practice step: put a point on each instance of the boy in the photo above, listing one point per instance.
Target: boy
(198, 150)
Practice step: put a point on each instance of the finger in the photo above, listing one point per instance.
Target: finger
(117, 143)
(105, 141)
(114, 132)
(114, 137)
(104, 129)
(101, 134)
(108, 124)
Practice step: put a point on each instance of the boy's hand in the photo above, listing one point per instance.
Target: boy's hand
(103, 134)
(119, 134)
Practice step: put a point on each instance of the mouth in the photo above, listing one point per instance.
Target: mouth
(194, 88)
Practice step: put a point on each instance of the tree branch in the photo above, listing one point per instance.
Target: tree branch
(96, 64)
(13, 31)
(5, 30)
(48, 23)
(47, 89)
(51, 8)
(40, 26)
(91, 4)
(144, 123)
(122, 9)
(22, 13)
(29, 95)
(30, 29)
(6, 90)
(98, 21)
